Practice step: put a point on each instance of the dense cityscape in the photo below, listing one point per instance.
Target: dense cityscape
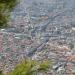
(41, 29)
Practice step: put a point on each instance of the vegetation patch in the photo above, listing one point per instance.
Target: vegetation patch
(6, 6)
(30, 67)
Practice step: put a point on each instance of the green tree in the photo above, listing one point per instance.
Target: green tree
(6, 6)
(30, 67)
(1, 72)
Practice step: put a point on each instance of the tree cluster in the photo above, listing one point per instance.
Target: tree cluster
(6, 6)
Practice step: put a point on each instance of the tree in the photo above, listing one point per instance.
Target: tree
(6, 6)
(30, 67)
(1, 72)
